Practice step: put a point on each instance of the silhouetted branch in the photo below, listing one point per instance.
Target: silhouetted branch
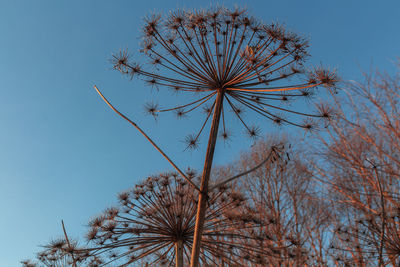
(271, 153)
(69, 244)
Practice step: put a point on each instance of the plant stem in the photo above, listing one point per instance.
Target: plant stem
(69, 244)
(202, 203)
(147, 137)
(179, 253)
(383, 218)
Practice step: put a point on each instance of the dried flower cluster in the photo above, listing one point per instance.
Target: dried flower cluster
(58, 253)
(228, 53)
(156, 220)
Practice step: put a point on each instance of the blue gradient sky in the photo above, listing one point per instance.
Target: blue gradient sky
(65, 155)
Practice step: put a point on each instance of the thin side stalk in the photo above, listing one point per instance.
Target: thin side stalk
(147, 137)
(69, 244)
(202, 203)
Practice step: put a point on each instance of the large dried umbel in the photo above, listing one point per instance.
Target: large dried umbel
(159, 215)
(61, 253)
(207, 52)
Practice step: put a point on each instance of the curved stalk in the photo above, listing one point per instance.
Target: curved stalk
(148, 138)
(271, 154)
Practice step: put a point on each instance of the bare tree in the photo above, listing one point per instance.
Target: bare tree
(362, 169)
(294, 219)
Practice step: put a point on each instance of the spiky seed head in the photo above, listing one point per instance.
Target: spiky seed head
(180, 113)
(151, 109)
(254, 132)
(149, 223)
(261, 61)
(192, 141)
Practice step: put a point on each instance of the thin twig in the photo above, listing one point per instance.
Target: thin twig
(273, 151)
(69, 244)
(148, 138)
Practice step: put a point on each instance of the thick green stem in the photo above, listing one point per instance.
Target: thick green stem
(202, 204)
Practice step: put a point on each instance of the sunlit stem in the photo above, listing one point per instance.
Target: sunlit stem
(179, 253)
(69, 244)
(202, 203)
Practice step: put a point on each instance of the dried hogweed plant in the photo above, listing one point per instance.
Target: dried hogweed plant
(156, 222)
(61, 253)
(225, 60)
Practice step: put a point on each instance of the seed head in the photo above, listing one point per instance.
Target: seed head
(167, 214)
(255, 66)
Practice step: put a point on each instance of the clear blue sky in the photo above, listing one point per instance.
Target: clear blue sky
(65, 155)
